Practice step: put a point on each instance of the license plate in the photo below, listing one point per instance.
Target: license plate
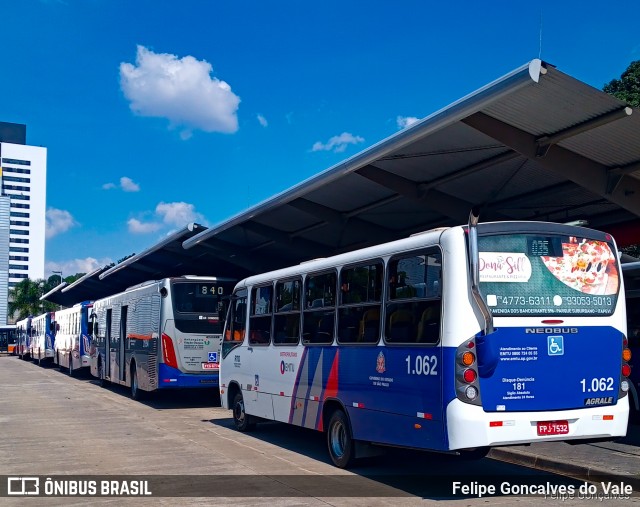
(210, 366)
(553, 428)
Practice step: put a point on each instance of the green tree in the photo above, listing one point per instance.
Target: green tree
(24, 298)
(626, 88)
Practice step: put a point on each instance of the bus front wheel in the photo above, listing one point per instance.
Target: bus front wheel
(339, 440)
(241, 420)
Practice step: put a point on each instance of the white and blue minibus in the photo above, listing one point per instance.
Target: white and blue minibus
(453, 340)
(72, 343)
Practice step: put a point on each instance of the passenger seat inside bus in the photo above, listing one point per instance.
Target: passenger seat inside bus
(370, 326)
(401, 326)
(429, 325)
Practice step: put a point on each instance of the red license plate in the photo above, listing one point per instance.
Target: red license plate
(553, 428)
(210, 366)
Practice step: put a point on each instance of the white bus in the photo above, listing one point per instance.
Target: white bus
(160, 334)
(425, 343)
(72, 343)
(8, 339)
(23, 338)
(43, 335)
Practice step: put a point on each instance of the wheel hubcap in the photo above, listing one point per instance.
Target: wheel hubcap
(338, 439)
(239, 412)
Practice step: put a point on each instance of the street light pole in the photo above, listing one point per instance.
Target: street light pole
(59, 273)
(61, 280)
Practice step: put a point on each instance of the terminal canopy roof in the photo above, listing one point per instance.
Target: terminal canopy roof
(535, 144)
(165, 259)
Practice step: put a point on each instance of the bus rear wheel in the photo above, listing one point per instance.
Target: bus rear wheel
(101, 379)
(339, 440)
(241, 420)
(136, 393)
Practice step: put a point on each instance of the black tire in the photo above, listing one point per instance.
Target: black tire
(101, 380)
(136, 393)
(339, 440)
(241, 420)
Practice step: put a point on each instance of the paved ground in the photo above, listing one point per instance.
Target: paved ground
(54, 425)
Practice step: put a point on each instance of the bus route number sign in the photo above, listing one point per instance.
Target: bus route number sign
(553, 428)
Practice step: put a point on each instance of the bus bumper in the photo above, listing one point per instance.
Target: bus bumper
(469, 426)
(171, 378)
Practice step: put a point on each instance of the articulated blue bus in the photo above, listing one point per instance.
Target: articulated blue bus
(453, 340)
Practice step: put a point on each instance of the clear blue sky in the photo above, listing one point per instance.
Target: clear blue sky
(158, 113)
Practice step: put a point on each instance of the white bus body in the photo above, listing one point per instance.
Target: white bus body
(72, 343)
(385, 345)
(161, 334)
(41, 346)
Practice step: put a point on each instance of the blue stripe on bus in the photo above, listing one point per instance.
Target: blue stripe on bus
(169, 377)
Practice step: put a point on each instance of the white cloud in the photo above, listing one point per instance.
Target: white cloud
(406, 121)
(179, 213)
(73, 266)
(181, 90)
(128, 185)
(337, 144)
(58, 221)
(171, 214)
(138, 227)
(263, 121)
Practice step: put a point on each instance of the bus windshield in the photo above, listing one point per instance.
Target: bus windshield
(200, 307)
(551, 274)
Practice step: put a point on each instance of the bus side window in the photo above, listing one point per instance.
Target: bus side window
(319, 316)
(360, 299)
(287, 313)
(236, 323)
(261, 315)
(414, 298)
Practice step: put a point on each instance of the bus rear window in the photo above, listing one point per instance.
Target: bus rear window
(529, 274)
(200, 297)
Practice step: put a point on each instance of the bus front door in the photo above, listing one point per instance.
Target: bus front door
(121, 356)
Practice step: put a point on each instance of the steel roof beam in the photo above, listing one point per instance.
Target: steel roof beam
(249, 263)
(544, 142)
(428, 198)
(343, 220)
(303, 246)
(585, 172)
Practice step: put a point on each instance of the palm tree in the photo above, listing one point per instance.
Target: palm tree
(24, 298)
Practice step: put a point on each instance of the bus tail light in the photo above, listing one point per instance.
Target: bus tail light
(469, 375)
(625, 369)
(168, 352)
(467, 383)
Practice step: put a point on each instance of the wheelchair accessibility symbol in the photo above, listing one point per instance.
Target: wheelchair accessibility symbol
(213, 357)
(555, 345)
